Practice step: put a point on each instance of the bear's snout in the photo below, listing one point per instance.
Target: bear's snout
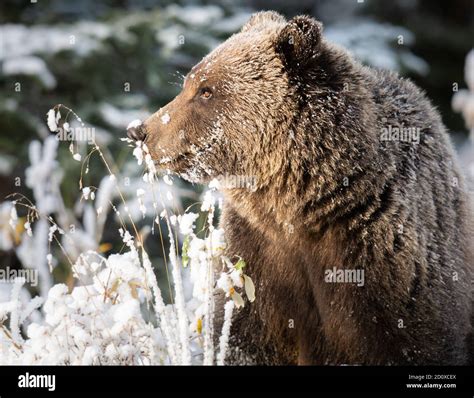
(136, 133)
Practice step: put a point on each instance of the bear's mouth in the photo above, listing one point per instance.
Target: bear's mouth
(184, 160)
(183, 157)
(174, 161)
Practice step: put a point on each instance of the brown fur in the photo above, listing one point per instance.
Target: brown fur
(303, 118)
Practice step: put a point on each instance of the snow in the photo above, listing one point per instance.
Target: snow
(119, 117)
(376, 44)
(43, 175)
(6, 231)
(57, 291)
(124, 312)
(13, 217)
(52, 120)
(148, 199)
(196, 15)
(127, 238)
(224, 283)
(214, 184)
(87, 193)
(167, 179)
(102, 321)
(165, 160)
(103, 317)
(469, 70)
(52, 229)
(165, 119)
(23, 45)
(104, 197)
(29, 65)
(27, 227)
(49, 258)
(225, 333)
(138, 153)
(186, 222)
(140, 194)
(134, 124)
(174, 219)
(6, 164)
(169, 37)
(20, 40)
(231, 24)
(208, 201)
(236, 277)
(463, 100)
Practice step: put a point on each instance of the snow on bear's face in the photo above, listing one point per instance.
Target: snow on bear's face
(231, 109)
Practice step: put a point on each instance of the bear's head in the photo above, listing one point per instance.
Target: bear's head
(234, 111)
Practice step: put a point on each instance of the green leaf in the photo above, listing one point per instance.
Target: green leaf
(240, 265)
(184, 251)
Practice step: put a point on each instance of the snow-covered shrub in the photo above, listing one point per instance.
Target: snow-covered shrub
(463, 102)
(113, 312)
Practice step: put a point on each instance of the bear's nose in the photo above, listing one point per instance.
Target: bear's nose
(136, 133)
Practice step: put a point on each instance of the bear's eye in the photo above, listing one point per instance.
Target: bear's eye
(205, 93)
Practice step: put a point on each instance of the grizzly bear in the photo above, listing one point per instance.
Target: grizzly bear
(357, 230)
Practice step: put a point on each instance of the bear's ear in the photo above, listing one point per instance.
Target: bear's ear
(299, 40)
(261, 19)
